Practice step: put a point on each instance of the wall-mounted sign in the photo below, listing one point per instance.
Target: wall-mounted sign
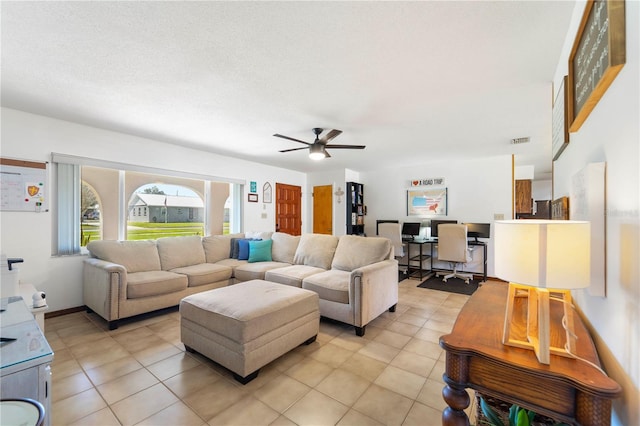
(428, 182)
(598, 54)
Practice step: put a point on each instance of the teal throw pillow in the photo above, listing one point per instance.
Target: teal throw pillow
(260, 251)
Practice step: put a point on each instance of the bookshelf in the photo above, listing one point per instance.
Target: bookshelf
(355, 208)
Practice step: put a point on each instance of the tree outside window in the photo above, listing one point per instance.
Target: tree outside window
(90, 215)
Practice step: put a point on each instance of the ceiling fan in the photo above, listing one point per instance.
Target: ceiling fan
(318, 149)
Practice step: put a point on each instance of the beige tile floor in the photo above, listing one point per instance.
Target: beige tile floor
(140, 373)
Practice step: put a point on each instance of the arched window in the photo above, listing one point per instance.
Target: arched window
(162, 210)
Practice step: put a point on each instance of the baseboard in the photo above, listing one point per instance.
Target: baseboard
(64, 312)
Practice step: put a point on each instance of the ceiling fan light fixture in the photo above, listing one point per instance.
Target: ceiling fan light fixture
(317, 152)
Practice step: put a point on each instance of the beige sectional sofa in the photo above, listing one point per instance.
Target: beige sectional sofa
(356, 278)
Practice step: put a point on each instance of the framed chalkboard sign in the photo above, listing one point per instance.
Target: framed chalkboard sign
(598, 54)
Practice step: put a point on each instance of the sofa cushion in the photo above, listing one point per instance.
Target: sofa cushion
(316, 250)
(135, 256)
(354, 252)
(291, 275)
(218, 247)
(255, 271)
(284, 247)
(205, 273)
(176, 252)
(330, 285)
(154, 283)
(260, 251)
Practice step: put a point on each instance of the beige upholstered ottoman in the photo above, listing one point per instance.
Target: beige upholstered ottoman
(247, 325)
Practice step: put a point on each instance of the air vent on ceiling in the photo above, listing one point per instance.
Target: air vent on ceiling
(520, 140)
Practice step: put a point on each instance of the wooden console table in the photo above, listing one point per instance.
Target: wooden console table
(568, 390)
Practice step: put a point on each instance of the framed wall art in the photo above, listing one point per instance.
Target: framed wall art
(267, 193)
(560, 209)
(560, 120)
(597, 56)
(427, 202)
(252, 198)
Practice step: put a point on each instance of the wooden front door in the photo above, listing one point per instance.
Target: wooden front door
(323, 209)
(288, 209)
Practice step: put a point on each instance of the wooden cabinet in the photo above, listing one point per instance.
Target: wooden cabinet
(523, 197)
(355, 208)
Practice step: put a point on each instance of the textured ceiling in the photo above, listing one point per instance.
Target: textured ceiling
(414, 82)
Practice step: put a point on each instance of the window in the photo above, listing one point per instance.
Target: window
(169, 216)
(93, 202)
(90, 215)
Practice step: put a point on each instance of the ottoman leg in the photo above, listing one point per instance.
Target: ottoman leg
(189, 349)
(246, 379)
(393, 308)
(310, 340)
(360, 331)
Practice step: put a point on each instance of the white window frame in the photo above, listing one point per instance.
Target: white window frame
(67, 238)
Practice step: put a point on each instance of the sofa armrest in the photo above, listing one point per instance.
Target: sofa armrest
(373, 290)
(103, 284)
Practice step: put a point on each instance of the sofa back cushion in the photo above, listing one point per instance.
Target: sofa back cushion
(354, 252)
(177, 252)
(316, 250)
(135, 256)
(258, 235)
(284, 247)
(217, 247)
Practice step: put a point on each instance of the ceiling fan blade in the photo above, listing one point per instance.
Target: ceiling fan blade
(291, 139)
(326, 154)
(293, 149)
(332, 134)
(346, 146)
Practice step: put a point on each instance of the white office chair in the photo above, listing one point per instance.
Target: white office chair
(453, 248)
(393, 231)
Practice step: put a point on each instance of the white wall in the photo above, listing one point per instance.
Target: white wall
(611, 134)
(477, 190)
(29, 235)
(541, 190)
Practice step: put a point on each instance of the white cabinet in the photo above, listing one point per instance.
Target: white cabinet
(24, 362)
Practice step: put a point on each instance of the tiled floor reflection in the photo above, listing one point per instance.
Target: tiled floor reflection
(140, 373)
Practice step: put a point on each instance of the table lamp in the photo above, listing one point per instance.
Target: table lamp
(543, 260)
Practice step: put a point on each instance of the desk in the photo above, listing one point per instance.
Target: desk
(484, 256)
(567, 389)
(418, 271)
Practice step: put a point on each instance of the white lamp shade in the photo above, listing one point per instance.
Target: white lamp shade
(552, 254)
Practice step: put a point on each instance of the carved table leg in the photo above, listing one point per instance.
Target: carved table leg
(592, 411)
(457, 399)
